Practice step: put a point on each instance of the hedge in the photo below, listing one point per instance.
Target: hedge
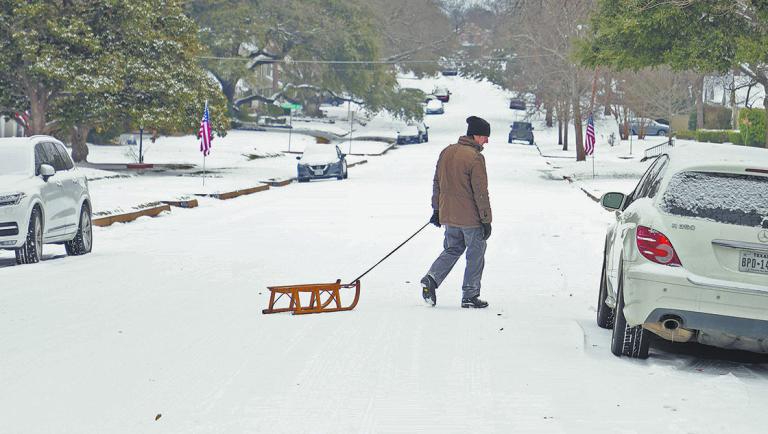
(715, 118)
(752, 126)
(711, 136)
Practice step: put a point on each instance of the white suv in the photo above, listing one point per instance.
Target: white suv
(43, 199)
(687, 258)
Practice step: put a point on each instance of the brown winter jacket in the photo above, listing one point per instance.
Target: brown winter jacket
(460, 190)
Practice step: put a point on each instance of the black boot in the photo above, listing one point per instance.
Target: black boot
(474, 303)
(428, 290)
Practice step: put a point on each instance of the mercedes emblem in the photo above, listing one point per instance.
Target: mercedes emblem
(763, 236)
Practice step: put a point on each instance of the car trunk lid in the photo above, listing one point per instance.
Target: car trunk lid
(718, 224)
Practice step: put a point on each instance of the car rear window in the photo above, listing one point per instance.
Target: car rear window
(720, 197)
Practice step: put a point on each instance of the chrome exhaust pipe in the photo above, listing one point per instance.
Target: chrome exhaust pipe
(671, 329)
(671, 324)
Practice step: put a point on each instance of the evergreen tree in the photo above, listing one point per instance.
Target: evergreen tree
(91, 64)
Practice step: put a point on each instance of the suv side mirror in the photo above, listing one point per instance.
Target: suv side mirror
(298, 157)
(46, 171)
(343, 155)
(612, 201)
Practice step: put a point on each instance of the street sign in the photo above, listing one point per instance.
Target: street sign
(290, 106)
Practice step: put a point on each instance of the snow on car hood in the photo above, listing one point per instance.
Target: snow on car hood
(13, 183)
(317, 155)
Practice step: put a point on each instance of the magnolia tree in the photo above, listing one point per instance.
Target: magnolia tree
(77, 66)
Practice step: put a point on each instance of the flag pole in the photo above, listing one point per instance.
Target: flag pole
(204, 152)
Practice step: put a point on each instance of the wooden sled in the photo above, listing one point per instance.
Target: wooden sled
(323, 297)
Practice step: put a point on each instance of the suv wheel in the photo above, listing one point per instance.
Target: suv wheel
(83, 241)
(32, 250)
(604, 313)
(627, 341)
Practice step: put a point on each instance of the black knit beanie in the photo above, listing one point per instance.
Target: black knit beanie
(478, 127)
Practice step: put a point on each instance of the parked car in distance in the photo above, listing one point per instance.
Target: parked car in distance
(413, 132)
(450, 71)
(650, 126)
(442, 93)
(408, 133)
(521, 131)
(333, 100)
(517, 104)
(44, 199)
(321, 161)
(435, 107)
(687, 257)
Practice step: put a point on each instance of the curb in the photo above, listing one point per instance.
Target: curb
(587, 192)
(187, 203)
(280, 183)
(131, 216)
(237, 193)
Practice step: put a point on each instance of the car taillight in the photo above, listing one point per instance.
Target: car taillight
(656, 247)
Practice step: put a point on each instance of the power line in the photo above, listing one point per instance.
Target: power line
(375, 62)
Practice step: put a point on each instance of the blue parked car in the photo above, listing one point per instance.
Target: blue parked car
(414, 132)
(650, 126)
(321, 161)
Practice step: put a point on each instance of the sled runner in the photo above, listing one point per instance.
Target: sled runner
(323, 297)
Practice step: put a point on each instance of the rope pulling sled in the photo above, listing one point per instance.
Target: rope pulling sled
(323, 297)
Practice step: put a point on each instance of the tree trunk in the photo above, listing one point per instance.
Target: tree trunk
(559, 130)
(38, 107)
(275, 77)
(734, 109)
(580, 153)
(698, 91)
(548, 117)
(608, 92)
(765, 105)
(79, 143)
(228, 89)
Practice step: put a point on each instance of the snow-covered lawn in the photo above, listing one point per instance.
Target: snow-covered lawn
(160, 328)
(240, 160)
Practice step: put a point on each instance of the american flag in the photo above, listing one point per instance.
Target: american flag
(22, 119)
(205, 133)
(589, 147)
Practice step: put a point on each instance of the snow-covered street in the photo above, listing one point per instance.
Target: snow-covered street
(160, 329)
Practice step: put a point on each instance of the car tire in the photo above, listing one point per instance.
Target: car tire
(32, 250)
(633, 342)
(604, 313)
(82, 244)
(343, 172)
(530, 142)
(661, 133)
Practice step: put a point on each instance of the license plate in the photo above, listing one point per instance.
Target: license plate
(754, 262)
(318, 172)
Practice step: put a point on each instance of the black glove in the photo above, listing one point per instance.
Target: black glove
(435, 220)
(486, 231)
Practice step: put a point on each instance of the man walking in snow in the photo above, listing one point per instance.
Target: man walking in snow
(460, 202)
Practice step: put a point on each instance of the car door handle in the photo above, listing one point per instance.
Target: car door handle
(59, 184)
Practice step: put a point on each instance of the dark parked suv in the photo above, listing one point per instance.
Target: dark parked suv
(522, 131)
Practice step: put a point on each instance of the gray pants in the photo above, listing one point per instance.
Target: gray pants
(457, 240)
